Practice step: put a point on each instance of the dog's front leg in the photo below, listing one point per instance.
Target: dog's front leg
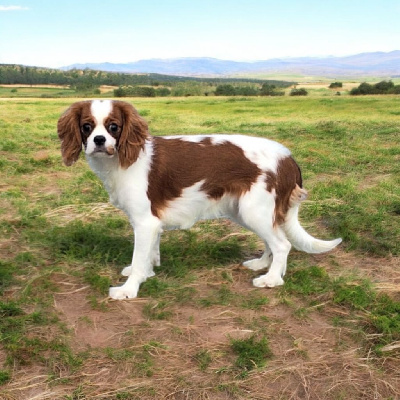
(146, 238)
(155, 260)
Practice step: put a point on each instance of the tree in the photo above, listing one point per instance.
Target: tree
(395, 90)
(383, 87)
(270, 90)
(120, 92)
(225, 90)
(246, 91)
(187, 88)
(163, 92)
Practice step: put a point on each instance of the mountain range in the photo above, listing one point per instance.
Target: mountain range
(365, 64)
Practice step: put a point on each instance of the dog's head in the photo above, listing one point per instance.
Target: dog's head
(104, 128)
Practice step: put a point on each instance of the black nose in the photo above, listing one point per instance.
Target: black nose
(99, 140)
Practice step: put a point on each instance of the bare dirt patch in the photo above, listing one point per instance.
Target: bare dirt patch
(93, 328)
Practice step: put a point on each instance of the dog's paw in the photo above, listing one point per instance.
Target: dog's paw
(123, 292)
(150, 274)
(126, 271)
(255, 265)
(156, 261)
(268, 280)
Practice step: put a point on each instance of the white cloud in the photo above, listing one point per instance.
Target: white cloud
(13, 8)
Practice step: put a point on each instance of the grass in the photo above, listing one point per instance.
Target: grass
(199, 329)
(376, 313)
(251, 353)
(34, 92)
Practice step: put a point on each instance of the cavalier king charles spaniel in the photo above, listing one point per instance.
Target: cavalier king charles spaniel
(173, 181)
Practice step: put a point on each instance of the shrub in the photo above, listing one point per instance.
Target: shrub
(120, 92)
(335, 85)
(144, 91)
(298, 92)
(383, 87)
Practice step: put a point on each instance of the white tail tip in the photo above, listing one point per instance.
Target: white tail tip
(322, 246)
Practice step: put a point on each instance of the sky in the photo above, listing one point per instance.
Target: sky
(55, 33)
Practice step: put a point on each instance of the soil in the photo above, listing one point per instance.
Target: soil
(312, 357)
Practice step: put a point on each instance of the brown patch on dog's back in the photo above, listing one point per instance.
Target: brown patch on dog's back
(178, 164)
(286, 180)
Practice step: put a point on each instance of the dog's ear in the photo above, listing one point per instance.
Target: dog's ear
(69, 133)
(133, 136)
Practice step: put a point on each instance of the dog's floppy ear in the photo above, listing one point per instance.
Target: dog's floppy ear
(69, 133)
(133, 136)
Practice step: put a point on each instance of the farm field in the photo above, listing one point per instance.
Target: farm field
(198, 329)
(315, 88)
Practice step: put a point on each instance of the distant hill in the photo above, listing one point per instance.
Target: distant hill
(364, 64)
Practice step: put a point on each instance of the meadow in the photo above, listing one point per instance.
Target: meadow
(198, 329)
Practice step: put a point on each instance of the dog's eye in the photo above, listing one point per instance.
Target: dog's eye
(86, 129)
(113, 128)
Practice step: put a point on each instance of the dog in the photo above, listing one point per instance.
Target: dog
(173, 181)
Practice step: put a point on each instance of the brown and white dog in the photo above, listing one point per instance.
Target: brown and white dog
(172, 182)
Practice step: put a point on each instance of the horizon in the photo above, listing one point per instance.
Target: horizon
(200, 57)
(51, 34)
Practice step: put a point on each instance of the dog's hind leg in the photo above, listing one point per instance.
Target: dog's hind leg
(257, 214)
(260, 263)
(280, 248)
(155, 258)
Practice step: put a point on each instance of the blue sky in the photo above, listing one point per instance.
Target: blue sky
(56, 33)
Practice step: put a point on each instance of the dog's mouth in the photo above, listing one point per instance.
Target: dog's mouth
(110, 150)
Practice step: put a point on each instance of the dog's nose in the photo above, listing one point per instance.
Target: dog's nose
(99, 140)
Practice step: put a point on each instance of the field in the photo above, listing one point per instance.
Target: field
(315, 87)
(199, 330)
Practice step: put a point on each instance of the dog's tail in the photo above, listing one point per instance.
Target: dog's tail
(296, 234)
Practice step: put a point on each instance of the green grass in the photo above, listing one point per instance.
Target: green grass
(22, 349)
(140, 360)
(35, 92)
(58, 236)
(376, 313)
(251, 353)
(204, 359)
(5, 376)
(7, 271)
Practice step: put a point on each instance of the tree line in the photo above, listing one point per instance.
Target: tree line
(267, 89)
(148, 85)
